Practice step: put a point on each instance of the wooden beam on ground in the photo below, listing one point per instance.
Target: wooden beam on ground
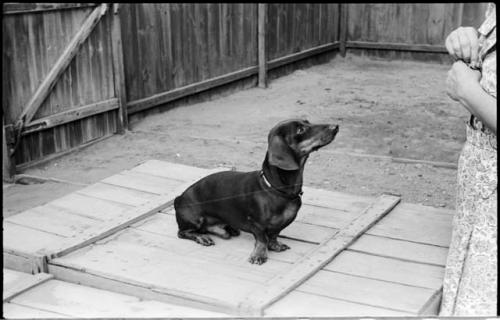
(118, 69)
(396, 46)
(262, 48)
(164, 97)
(278, 62)
(26, 165)
(64, 60)
(306, 267)
(70, 115)
(343, 28)
(20, 8)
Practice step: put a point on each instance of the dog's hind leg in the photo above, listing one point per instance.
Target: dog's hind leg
(191, 224)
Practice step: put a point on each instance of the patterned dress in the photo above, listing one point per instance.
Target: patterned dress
(470, 280)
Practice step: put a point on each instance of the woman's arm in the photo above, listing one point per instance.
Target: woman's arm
(463, 86)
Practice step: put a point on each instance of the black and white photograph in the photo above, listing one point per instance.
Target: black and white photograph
(249, 160)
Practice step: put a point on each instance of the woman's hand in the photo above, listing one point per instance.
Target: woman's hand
(463, 44)
(461, 79)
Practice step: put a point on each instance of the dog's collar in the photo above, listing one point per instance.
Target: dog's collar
(280, 192)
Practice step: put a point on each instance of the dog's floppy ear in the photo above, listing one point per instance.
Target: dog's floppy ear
(280, 154)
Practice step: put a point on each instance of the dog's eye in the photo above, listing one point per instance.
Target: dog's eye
(301, 130)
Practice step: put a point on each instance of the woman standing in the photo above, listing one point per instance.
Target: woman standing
(470, 281)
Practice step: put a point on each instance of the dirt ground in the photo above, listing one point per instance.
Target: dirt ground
(384, 109)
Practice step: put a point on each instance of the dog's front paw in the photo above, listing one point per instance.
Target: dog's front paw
(277, 246)
(257, 259)
(204, 240)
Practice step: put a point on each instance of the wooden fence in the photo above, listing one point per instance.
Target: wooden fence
(74, 72)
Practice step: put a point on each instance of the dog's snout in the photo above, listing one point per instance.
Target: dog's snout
(334, 127)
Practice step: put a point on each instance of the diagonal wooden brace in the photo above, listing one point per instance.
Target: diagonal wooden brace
(61, 64)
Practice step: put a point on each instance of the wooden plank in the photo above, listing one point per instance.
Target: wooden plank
(403, 250)
(22, 8)
(278, 62)
(16, 283)
(336, 200)
(170, 170)
(387, 269)
(118, 69)
(303, 304)
(396, 46)
(142, 182)
(326, 217)
(99, 209)
(164, 97)
(376, 293)
(27, 241)
(70, 115)
(63, 298)
(117, 194)
(16, 311)
(69, 52)
(308, 232)
(417, 226)
(310, 264)
(262, 48)
(52, 220)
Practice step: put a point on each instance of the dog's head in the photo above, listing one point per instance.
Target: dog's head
(291, 141)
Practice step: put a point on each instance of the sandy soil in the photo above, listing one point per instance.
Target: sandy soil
(389, 109)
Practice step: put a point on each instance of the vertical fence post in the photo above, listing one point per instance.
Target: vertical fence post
(262, 24)
(342, 28)
(118, 69)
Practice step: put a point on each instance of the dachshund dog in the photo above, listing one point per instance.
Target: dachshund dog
(261, 202)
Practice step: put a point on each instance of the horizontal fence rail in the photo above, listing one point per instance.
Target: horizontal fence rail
(142, 55)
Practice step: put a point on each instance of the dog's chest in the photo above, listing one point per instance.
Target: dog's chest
(285, 215)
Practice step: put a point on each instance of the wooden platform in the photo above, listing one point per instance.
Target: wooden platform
(349, 256)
